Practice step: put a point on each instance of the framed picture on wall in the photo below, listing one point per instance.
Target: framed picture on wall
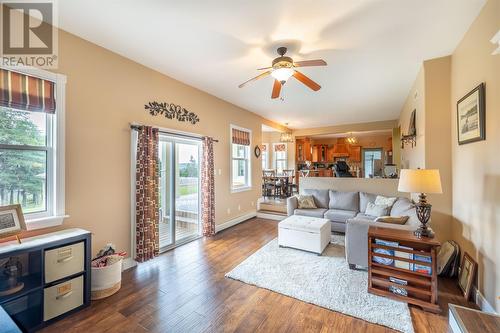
(471, 116)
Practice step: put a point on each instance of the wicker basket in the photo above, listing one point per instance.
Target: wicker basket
(106, 280)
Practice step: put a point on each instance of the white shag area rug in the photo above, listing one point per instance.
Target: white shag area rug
(324, 280)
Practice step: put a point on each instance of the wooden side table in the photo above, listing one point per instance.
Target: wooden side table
(463, 320)
(408, 272)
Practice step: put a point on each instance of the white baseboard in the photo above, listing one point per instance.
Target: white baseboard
(271, 216)
(235, 221)
(481, 301)
(128, 263)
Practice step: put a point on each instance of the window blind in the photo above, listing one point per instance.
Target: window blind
(25, 92)
(241, 137)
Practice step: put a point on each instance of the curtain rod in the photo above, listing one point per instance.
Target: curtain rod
(137, 127)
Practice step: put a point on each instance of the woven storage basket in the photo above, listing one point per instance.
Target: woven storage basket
(106, 280)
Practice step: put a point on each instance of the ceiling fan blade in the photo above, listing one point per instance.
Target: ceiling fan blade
(307, 81)
(262, 68)
(255, 78)
(317, 62)
(276, 89)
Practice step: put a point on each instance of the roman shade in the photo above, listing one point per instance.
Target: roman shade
(241, 137)
(280, 147)
(26, 92)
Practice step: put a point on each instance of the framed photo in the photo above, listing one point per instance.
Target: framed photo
(11, 220)
(471, 123)
(466, 275)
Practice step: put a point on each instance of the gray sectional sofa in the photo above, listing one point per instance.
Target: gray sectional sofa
(346, 211)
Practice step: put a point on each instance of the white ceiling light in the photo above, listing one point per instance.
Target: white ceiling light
(282, 74)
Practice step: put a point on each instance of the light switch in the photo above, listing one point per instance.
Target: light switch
(220, 172)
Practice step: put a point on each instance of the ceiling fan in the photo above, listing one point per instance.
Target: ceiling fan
(283, 68)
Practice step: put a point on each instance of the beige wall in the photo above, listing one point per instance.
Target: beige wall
(429, 96)
(105, 93)
(274, 137)
(476, 166)
(414, 157)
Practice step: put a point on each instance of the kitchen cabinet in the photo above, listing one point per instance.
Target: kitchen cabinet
(303, 150)
(355, 153)
(330, 157)
(319, 153)
(315, 153)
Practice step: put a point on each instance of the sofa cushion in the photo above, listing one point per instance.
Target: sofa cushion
(376, 210)
(321, 197)
(405, 207)
(402, 206)
(339, 215)
(344, 200)
(363, 216)
(381, 200)
(364, 199)
(314, 212)
(306, 201)
(392, 219)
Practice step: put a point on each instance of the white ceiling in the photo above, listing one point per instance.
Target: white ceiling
(374, 48)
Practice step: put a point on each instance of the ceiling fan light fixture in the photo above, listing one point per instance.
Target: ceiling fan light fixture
(282, 74)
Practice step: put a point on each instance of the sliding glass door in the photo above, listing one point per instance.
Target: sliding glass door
(179, 190)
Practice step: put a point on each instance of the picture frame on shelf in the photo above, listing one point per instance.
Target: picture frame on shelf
(471, 113)
(466, 275)
(11, 221)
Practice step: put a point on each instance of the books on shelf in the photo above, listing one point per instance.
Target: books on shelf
(381, 260)
(406, 255)
(422, 268)
(401, 254)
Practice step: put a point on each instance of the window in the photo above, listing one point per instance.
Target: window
(372, 162)
(280, 156)
(240, 159)
(31, 168)
(265, 156)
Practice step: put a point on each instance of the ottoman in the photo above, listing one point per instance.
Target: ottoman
(304, 233)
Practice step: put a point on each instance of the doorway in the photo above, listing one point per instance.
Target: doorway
(180, 185)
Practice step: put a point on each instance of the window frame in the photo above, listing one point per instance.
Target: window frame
(266, 159)
(55, 150)
(248, 159)
(275, 156)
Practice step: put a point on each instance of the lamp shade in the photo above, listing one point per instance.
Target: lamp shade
(420, 181)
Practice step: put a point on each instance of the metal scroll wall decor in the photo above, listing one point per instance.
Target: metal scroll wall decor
(171, 111)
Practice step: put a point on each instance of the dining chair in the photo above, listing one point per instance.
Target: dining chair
(268, 183)
(291, 186)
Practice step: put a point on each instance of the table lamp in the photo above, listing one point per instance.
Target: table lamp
(421, 181)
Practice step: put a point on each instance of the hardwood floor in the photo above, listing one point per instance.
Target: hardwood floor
(185, 290)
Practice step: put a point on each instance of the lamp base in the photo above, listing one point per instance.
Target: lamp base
(424, 232)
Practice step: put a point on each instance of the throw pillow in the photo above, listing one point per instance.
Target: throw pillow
(388, 201)
(306, 201)
(392, 219)
(376, 210)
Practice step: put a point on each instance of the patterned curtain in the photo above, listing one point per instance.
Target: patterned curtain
(208, 187)
(146, 195)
